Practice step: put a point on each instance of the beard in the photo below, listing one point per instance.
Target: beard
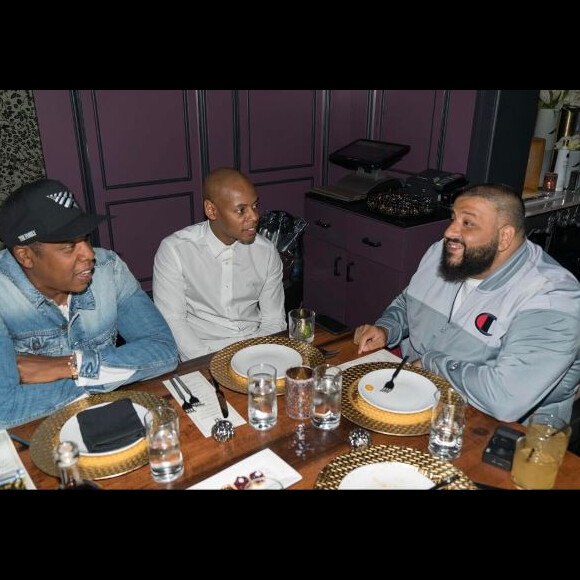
(475, 261)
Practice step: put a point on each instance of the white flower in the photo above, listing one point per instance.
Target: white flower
(572, 143)
(572, 99)
(552, 99)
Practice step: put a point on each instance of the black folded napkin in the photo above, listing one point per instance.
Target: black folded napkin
(110, 427)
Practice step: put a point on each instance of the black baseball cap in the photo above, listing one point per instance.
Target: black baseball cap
(44, 211)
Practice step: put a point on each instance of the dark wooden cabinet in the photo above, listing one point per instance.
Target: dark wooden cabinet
(355, 265)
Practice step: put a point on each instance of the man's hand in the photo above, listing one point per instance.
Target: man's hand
(370, 337)
(417, 363)
(36, 368)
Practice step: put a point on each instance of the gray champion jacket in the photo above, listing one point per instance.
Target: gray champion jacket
(512, 347)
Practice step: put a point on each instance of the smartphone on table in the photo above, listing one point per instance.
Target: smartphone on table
(330, 324)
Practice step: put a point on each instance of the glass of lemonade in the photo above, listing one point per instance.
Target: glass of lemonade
(536, 462)
(550, 427)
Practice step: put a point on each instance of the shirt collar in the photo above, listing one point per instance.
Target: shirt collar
(216, 246)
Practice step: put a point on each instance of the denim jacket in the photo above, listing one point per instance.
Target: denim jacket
(31, 323)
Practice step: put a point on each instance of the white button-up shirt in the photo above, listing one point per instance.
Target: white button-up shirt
(212, 294)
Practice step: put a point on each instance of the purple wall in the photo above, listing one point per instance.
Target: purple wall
(59, 144)
(143, 155)
(147, 152)
(219, 111)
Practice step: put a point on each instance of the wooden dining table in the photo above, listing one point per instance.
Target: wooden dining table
(204, 456)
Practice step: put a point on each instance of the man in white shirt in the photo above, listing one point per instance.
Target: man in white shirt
(219, 281)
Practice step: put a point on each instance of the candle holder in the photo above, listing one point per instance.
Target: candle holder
(550, 180)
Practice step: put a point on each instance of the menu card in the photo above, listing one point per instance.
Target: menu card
(10, 462)
(379, 356)
(205, 415)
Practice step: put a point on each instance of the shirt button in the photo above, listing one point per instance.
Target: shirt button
(453, 366)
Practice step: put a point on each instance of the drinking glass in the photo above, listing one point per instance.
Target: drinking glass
(162, 432)
(550, 427)
(301, 324)
(299, 384)
(326, 397)
(262, 403)
(535, 465)
(447, 423)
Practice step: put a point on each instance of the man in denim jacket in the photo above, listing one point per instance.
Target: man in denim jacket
(62, 305)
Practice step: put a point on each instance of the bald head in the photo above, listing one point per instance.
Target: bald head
(230, 203)
(222, 181)
(506, 201)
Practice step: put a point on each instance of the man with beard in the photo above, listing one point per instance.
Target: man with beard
(62, 305)
(219, 281)
(490, 311)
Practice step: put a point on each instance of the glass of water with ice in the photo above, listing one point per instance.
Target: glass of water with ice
(262, 404)
(162, 431)
(447, 423)
(325, 413)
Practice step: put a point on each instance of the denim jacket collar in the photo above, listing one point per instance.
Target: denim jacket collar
(11, 268)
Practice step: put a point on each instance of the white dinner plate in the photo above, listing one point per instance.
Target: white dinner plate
(71, 431)
(387, 475)
(279, 356)
(412, 393)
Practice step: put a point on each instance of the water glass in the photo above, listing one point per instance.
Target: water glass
(301, 324)
(447, 423)
(550, 427)
(535, 464)
(162, 432)
(262, 403)
(299, 384)
(326, 397)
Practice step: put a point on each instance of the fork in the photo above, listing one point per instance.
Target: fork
(187, 407)
(193, 400)
(391, 382)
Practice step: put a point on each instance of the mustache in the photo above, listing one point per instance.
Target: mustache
(453, 241)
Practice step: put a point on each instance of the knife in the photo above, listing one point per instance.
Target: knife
(220, 397)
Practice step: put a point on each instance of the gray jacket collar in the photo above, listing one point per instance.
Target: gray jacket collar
(508, 270)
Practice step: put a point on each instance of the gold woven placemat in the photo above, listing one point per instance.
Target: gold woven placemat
(46, 438)
(221, 368)
(357, 410)
(433, 468)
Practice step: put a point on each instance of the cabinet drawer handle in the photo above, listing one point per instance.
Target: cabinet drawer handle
(336, 270)
(370, 243)
(322, 224)
(349, 278)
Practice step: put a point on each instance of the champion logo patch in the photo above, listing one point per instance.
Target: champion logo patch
(64, 198)
(484, 322)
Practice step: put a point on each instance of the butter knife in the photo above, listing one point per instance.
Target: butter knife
(220, 397)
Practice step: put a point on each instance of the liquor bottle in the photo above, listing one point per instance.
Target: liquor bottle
(67, 461)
